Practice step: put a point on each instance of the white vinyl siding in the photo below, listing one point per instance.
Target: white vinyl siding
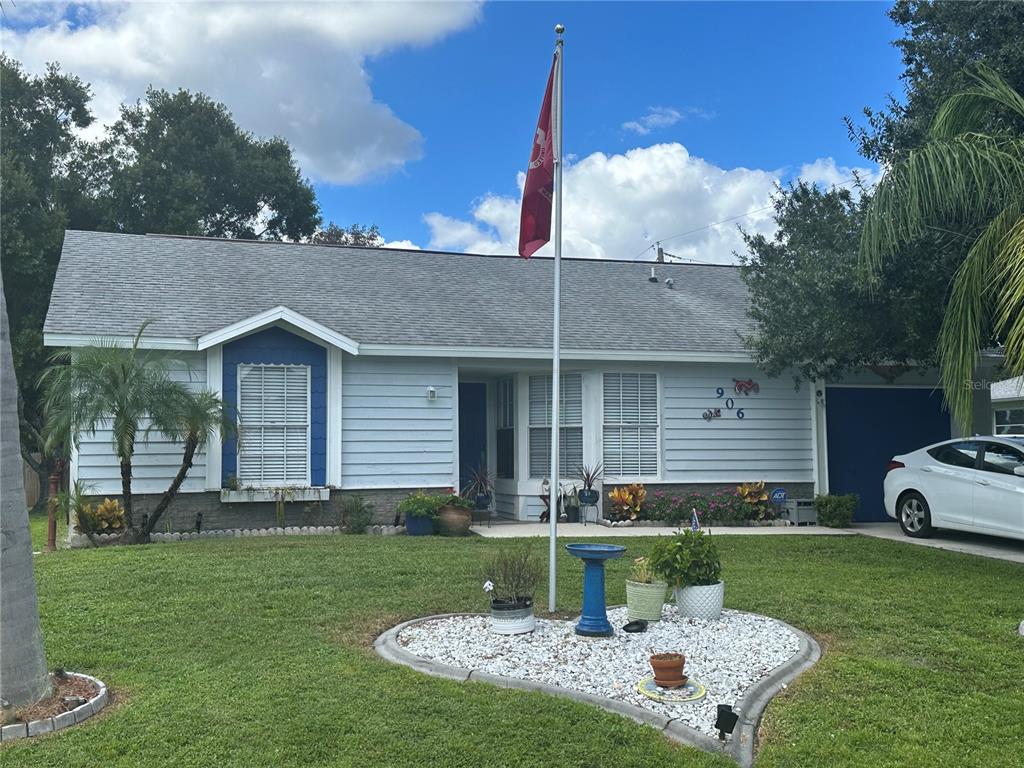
(156, 460)
(570, 451)
(630, 433)
(273, 416)
(771, 442)
(393, 436)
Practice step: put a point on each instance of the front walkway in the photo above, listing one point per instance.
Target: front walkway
(953, 541)
(510, 530)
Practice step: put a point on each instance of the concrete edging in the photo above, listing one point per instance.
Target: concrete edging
(750, 708)
(65, 719)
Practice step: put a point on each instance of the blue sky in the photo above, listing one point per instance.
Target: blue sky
(419, 118)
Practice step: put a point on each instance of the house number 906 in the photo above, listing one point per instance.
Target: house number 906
(730, 404)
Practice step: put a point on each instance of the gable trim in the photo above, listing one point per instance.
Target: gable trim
(279, 314)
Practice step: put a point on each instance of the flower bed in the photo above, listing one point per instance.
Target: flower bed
(747, 504)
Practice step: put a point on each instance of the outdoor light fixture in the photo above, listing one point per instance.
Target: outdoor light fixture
(431, 393)
(726, 720)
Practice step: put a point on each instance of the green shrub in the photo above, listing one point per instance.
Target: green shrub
(836, 511)
(105, 517)
(512, 575)
(356, 514)
(688, 559)
(420, 504)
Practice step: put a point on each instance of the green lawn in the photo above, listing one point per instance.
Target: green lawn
(256, 652)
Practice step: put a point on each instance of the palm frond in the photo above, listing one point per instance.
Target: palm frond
(971, 110)
(968, 315)
(1009, 277)
(967, 178)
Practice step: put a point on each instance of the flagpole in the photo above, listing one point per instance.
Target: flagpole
(554, 492)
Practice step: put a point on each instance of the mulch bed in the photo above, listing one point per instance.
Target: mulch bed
(54, 704)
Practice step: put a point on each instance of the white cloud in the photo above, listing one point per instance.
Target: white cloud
(824, 172)
(283, 69)
(614, 204)
(661, 117)
(406, 244)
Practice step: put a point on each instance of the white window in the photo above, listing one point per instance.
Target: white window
(506, 432)
(630, 425)
(273, 416)
(570, 416)
(1010, 421)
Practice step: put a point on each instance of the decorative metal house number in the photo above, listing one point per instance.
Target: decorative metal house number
(740, 387)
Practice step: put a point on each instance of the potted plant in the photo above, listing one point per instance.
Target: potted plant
(510, 580)
(668, 669)
(480, 488)
(689, 562)
(645, 593)
(454, 514)
(590, 475)
(419, 510)
(571, 505)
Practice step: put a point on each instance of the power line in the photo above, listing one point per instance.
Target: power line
(717, 223)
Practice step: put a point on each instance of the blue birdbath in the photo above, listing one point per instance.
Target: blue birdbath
(594, 621)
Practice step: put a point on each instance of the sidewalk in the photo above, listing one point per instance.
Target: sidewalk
(509, 530)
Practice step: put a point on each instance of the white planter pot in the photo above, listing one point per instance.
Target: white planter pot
(701, 602)
(512, 621)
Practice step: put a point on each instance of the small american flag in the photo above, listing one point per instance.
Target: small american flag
(694, 522)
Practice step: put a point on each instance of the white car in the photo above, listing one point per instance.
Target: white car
(969, 484)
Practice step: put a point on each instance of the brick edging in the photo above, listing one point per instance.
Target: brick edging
(750, 707)
(65, 719)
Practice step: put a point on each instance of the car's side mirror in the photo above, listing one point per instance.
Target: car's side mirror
(1019, 470)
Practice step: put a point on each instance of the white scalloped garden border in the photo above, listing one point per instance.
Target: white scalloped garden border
(64, 720)
(739, 746)
(81, 541)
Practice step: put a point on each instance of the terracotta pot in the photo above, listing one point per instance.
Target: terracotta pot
(454, 521)
(668, 669)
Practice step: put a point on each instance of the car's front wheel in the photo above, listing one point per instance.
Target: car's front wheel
(914, 516)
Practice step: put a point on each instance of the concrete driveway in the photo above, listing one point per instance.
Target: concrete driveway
(954, 541)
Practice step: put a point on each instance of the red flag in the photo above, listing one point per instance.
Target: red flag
(535, 220)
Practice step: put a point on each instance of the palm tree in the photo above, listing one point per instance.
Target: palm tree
(88, 387)
(23, 678)
(199, 416)
(970, 171)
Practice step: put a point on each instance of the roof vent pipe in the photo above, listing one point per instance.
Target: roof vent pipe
(669, 282)
(653, 278)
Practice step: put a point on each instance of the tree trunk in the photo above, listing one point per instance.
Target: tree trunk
(126, 495)
(23, 677)
(191, 444)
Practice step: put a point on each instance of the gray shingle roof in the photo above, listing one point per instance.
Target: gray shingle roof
(1008, 389)
(108, 284)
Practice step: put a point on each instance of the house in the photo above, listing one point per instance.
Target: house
(379, 371)
(1008, 407)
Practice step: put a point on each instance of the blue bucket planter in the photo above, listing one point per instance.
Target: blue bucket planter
(419, 526)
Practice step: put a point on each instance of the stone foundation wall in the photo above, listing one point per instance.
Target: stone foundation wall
(217, 515)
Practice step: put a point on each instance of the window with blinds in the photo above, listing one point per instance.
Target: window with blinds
(506, 429)
(273, 418)
(630, 425)
(570, 416)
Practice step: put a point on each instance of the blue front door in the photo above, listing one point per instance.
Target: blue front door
(472, 430)
(867, 426)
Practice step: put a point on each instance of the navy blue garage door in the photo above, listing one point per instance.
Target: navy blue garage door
(867, 426)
